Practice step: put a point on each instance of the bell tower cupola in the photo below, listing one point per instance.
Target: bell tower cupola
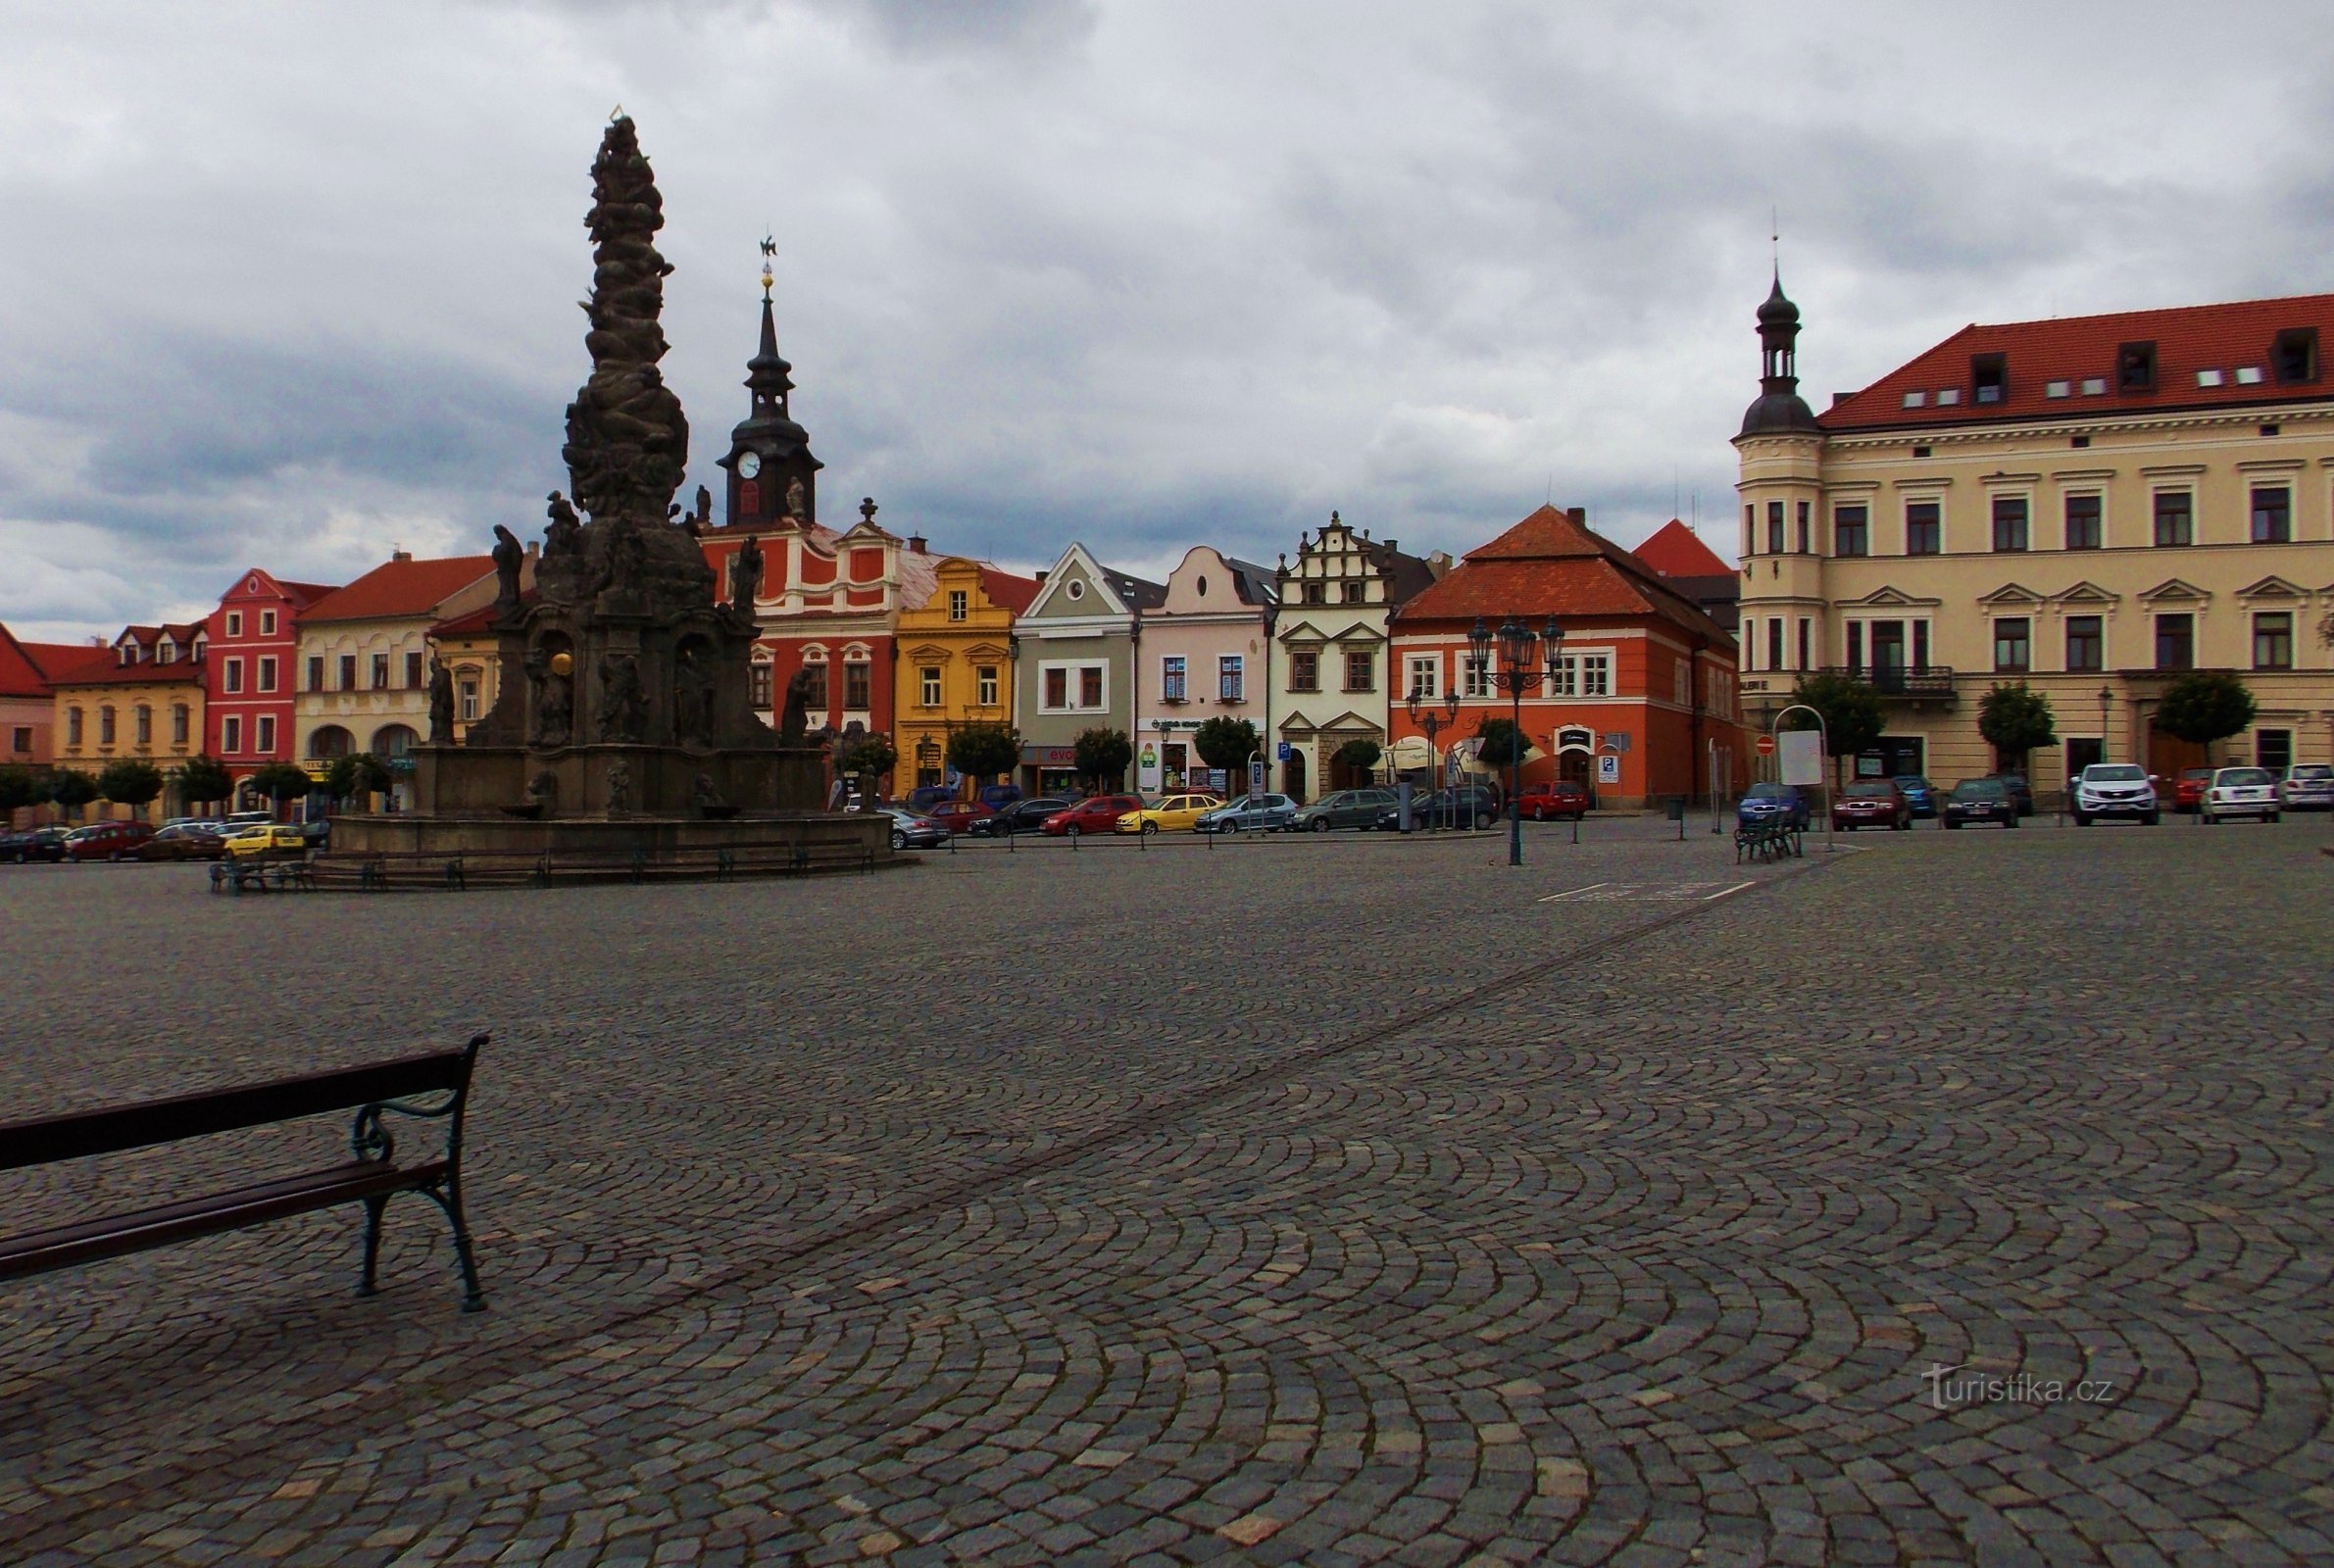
(1779, 407)
(773, 479)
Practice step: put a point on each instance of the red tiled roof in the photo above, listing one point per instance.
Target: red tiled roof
(2226, 339)
(50, 658)
(1006, 590)
(103, 667)
(1676, 551)
(400, 588)
(21, 672)
(478, 620)
(1553, 564)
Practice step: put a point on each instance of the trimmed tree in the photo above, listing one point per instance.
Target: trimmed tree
(1227, 743)
(1103, 755)
(2015, 720)
(204, 779)
(282, 783)
(20, 787)
(130, 781)
(1359, 756)
(356, 777)
(2205, 706)
(870, 757)
(72, 790)
(981, 751)
(1851, 709)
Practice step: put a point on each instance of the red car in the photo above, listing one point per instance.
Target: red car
(958, 816)
(1098, 814)
(1871, 803)
(2188, 795)
(1560, 799)
(107, 841)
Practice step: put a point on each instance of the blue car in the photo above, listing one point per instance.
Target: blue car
(1920, 791)
(1766, 804)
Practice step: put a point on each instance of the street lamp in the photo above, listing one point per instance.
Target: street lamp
(2107, 700)
(1431, 717)
(1519, 671)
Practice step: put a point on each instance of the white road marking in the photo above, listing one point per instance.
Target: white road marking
(1555, 897)
(1737, 887)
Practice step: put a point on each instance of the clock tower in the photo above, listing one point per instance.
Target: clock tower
(774, 480)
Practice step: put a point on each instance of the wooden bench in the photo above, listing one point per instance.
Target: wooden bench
(260, 876)
(1765, 840)
(371, 1176)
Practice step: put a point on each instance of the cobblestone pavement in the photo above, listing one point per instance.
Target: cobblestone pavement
(1308, 1202)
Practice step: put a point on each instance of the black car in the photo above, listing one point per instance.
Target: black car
(2021, 793)
(1021, 817)
(1469, 806)
(1978, 800)
(34, 844)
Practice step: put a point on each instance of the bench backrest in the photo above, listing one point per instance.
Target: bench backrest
(109, 1130)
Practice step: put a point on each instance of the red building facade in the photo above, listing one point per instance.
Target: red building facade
(254, 638)
(1643, 703)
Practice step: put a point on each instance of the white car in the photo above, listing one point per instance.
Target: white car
(2241, 792)
(2114, 789)
(2308, 787)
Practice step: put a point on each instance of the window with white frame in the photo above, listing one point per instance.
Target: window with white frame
(263, 734)
(1073, 687)
(1426, 674)
(1231, 678)
(928, 680)
(1478, 677)
(959, 603)
(234, 624)
(1174, 683)
(231, 676)
(985, 682)
(1583, 675)
(230, 734)
(266, 623)
(1681, 684)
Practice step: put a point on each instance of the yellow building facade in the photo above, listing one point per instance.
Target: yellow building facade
(139, 699)
(2091, 504)
(954, 664)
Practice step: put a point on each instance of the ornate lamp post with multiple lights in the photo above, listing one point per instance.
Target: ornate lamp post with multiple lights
(1518, 672)
(1430, 716)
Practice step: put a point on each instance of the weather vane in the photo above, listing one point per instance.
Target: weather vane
(770, 249)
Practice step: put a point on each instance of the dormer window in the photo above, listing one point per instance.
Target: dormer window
(1915, 400)
(2207, 378)
(166, 652)
(2135, 367)
(2296, 355)
(1947, 397)
(1989, 377)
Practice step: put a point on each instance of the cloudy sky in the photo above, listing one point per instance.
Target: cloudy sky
(292, 284)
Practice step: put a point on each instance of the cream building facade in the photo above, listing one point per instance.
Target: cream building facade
(2090, 505)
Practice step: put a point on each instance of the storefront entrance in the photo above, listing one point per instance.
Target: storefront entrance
(1896, 757)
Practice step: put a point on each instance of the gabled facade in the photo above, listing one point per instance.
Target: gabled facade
(1074, 668)
(139, 697)
(1330, 681)
(1677, 555)
(1643, 703)
(27, 710)
(364, 654)
(254, 635)
(955, 665)
(2090, 505)
(1206, 655)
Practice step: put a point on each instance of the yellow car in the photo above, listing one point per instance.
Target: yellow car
(1169, 813)
(265, 840)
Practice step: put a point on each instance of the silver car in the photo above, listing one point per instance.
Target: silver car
(1344, 808)
(2240, 792)
(2308, 787)
(1263, 813)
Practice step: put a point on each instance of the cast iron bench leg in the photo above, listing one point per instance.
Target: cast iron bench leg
(474, 1299)
(373, 1243)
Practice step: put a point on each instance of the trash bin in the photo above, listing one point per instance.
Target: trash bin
(1673, 808)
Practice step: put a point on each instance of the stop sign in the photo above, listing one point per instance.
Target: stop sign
(1767, 746)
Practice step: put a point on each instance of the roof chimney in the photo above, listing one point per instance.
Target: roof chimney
(1392, 545)
(915, 542)
(1579, 515)
(1041, 575)
(401, 555)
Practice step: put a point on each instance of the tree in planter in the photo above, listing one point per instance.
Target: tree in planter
(1851, 711)
(1358, 755)
(1227, 743)
(1101, 756)
(203, 780)
(357, 776)
(2015, 720)
(2205, 706)
(130, 781)
(869, 756)
(72, 791)
(20, 787)
(282, 783)
(981, 751)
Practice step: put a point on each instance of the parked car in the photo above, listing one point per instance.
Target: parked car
(1470, 806)
(1766, 804)
(106, 841)
(1919, 793)
(2114, 789)
(1018, 816)
(1978, 800)
(911, 830)
(34, 844)
(1561, 799)
(1261, 814)
(2021, 793)
(184, 841)
(265, 840)
(1871, 803)
(1344, 808)
(1169, 813)
(1096, 813)
(2240, 792)
(2308, 787)
(997, 797)
(2188, 792)
(958, 816)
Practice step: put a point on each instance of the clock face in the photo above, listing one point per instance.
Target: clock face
(749, 463)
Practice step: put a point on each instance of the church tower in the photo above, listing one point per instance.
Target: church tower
(774, 480)
(1782, 627)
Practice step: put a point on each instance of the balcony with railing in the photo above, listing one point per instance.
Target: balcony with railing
(1930, 683)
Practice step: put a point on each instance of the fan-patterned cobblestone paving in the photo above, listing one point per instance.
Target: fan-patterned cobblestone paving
(1303, 1201)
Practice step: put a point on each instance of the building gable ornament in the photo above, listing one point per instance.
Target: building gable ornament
(1303, 631)
(1350, 723)
(2273, 587)
(1089, 578)
(1361, 632)
(2011, 593)
(2086, 593)
(2174, 588)
(1887, 597)
(1296, 725)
